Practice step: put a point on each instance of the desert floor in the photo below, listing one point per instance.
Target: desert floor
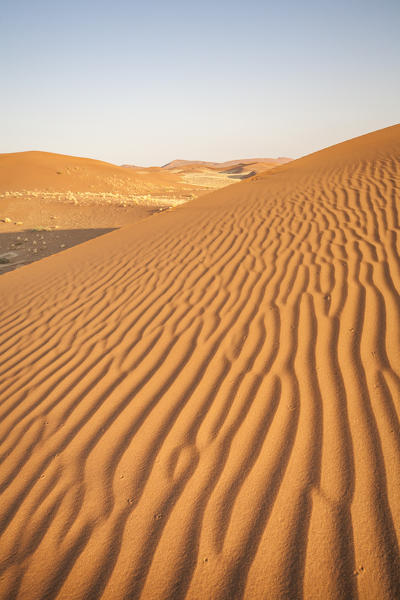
(205, 404)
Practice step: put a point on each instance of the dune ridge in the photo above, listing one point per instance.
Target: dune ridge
(206, 405)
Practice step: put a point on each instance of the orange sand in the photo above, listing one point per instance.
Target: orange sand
(206, 404)
(59, 172)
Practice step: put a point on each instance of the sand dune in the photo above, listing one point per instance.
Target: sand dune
(190, 164)
(32, 177)
(206, 404)
(200, 177)
(58, 172)
(217, 175)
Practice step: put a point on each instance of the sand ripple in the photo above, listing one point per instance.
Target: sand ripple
(206, 404)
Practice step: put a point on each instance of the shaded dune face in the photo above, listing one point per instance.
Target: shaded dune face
(206, 405)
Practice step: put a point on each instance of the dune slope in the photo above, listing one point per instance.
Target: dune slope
(58, 172)
(206, 405)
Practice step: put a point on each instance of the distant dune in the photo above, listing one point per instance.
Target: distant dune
(202, 172)
(49, 202)
(213, 175)
(57, 176)
(58, 172)
(179, 163)
(50, 172)
(206, 404)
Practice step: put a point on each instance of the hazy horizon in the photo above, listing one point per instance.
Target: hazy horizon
(145, 85)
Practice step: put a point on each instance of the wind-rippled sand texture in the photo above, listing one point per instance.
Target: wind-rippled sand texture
(205, 405)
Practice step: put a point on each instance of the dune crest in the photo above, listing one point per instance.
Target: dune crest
(206, 404)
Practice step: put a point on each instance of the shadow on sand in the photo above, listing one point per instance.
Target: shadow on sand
(18, 248)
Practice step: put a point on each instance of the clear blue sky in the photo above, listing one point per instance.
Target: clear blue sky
(147, 82)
